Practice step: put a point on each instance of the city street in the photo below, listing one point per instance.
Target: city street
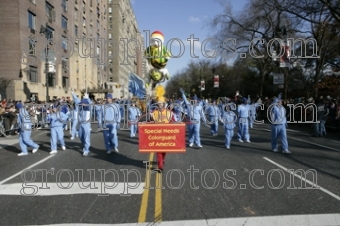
(248, 184)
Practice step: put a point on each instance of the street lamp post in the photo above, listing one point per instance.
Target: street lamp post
(47, 33)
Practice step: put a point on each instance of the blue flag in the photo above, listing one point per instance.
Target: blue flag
(136, 86)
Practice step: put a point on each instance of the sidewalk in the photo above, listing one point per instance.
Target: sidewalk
(8, 141)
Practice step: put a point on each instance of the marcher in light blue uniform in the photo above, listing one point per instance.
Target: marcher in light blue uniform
(177, 110)
(84, 116)
(56, 120)
(99, 109)
(214, 114)
(228, 119)
(133, 113)
(74, 121)
(278, 126)
(195, 113)
(243, 121)
(25, 126)
(111, 120)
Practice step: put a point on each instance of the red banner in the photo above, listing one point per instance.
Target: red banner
(160, 137)
(216, 81)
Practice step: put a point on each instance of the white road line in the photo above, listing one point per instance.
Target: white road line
(283, 220)
(72, 188)
(308, 142)
(31, 166)
(303, 179)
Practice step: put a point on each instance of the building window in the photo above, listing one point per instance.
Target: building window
(65, 82)
(64, 22)
(51, 80)
(64, 43)
(97, 24)
(76, 15)
(110, 1)
(110, 26)
(64, 64)
(49, 11)
(98, 51)
(110, 10)
(64, 5)
(98, 36)
(31, 47)
(31, 20)
(33, 74)
(76, 30)
(50, 32)
(110, 18)
(84, 22)
(110, 35)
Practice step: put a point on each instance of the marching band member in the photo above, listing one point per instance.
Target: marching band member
(278, 126)
(57, 119)
(214, 114)
(243, 121)
(195, 113)
(84, 116)
(25, 126)
(111, 119)
(74, 121)
(228, 119)
(133, 113)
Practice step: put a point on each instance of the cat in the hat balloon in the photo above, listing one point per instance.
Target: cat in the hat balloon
(157, 56)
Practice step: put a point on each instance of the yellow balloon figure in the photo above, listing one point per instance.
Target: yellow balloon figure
(157, 56)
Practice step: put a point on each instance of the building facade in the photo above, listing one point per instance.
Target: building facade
(48, 46)
(125, 46)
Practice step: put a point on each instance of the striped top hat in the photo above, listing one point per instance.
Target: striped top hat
(157, 35)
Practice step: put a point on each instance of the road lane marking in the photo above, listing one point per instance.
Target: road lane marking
(280, 220)
(54, 189)
(145, 196)
(31, 166)
(158, 198)
(303, 179)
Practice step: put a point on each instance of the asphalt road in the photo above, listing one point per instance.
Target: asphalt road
(206, 184)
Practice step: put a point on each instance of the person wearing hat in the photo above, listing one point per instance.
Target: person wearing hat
(214, 114)
(278, 125)
(228, 119)
(243, 121)
(56, 120)
(161, 115)
(98, 109)
(111, 119)
(84, 117)
(196, 113)
(133, 114)
(25, 126)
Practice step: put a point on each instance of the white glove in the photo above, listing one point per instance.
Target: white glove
(86, 96)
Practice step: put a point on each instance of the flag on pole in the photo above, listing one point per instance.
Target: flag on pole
(216, 81)
(202, 85)
(136, 86)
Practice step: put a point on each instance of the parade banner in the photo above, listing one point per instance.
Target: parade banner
(216, 81)
(159, 137)
(202, 85)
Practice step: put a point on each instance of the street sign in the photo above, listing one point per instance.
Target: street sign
(278, 79)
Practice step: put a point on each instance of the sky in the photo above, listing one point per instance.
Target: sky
(178, 20)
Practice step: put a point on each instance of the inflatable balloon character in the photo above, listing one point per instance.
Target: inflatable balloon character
(157, 56)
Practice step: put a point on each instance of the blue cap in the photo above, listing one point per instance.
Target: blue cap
(19, 105)
(109, 95)
(195, 97)
(244, 99)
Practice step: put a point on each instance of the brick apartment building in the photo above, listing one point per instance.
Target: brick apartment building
(79, 33)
